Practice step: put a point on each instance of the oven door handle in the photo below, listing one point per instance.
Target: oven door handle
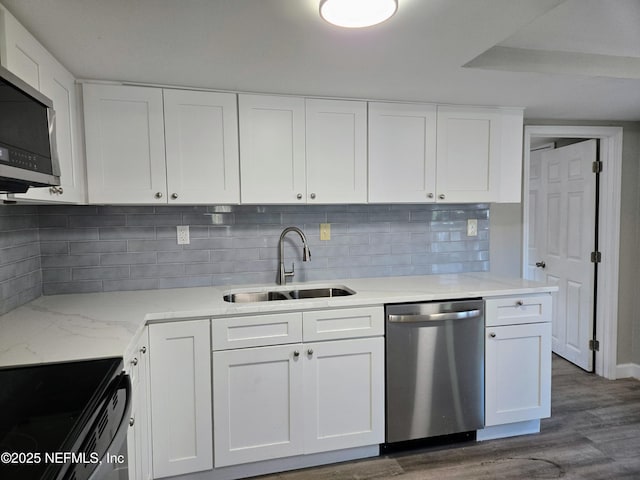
(433, 317)
(121, 433)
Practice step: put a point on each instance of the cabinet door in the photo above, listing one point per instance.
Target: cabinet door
(201, 135)
(272, 149)
(257, 406)
(468, 154)
(180, 380)
(336, 151)
(344, 394)
(402, 152)
(29, 60)
(124, 128)
(518, 373)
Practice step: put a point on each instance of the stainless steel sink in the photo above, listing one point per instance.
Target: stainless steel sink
(246, 297)
(301, 293)
(321, 292)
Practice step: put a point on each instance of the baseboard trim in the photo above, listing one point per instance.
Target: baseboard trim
(628, 370)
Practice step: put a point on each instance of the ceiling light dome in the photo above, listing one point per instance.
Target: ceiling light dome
(357, 13)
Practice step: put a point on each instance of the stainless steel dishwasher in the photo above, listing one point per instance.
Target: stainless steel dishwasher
(435, 369)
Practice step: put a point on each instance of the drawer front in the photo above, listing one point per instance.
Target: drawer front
(518, 310)
(256, 331)
(343, 323)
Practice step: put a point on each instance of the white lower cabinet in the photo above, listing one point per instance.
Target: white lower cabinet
(279, 401)
(180, 381)
(517, 359)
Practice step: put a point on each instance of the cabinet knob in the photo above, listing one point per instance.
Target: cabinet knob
(299, 196)
(492, 335)
(134, 362)
(143, 349)
(296, 353)
(441, 196)
(541, 264)
(132, 421)
(313, 196)
(158, 195)
(310, 352)
(174, 195)
(519, 303)
(429, 195)
(60, 190)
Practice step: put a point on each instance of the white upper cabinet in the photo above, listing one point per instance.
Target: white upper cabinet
(124, 130)
(296, 150)
(402, 153)
(468, 154)
(129, 160)
(28, 59)
(272, 149)
(201, 135)
(336, 148)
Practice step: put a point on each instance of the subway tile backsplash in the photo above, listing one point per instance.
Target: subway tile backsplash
(93, 249)
(71, 249)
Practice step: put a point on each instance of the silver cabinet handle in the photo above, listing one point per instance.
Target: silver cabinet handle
(53, 190)
(519, 303)
(158, 195)
(174, 195)
(433, 317)
(492, 335)
(143, 349)
(441, 196)
(429, 195)
(132, 421)
(134, 362)
(310, 352)
(299, 196)
(313, 196)
(541, 264)
(60, 190)
(296, 353)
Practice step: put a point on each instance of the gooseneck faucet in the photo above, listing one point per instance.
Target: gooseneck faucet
(306, 254)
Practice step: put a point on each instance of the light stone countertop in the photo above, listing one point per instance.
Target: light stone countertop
(96, 325)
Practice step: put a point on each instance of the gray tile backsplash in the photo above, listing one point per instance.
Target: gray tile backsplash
(20, 271)
(92, 248)
(57, 249)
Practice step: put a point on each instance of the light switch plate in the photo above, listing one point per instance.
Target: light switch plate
(472, 227)
(325, 231)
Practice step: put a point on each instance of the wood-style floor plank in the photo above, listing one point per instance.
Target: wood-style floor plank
(593, 434)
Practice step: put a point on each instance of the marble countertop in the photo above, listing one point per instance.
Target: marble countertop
(97, 325)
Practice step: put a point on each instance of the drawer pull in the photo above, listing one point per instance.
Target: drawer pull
(519, 303)
(492, 335)
(310, 352)
(296, 353)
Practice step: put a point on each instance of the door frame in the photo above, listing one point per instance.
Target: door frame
(608, 231)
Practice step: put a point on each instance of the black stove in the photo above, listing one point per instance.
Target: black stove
(58, 419)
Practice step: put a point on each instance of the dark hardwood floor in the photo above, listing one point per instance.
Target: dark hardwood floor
(593, 433)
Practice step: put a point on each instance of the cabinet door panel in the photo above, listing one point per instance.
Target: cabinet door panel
(336, 151)
(201, 131)
(124, 129)
(272, 149)
(344, 394)
(518, 373)
(468, 154)
(402, 152)
(180, 397)
(257, 409)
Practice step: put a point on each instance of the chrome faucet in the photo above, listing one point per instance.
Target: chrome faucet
(306, 254)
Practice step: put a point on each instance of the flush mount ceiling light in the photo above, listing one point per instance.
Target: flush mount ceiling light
(357, 13)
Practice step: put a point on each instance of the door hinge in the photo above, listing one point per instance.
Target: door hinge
(594, 345)
(596, 257)
(596, 166)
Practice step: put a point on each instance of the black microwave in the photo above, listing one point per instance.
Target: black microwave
(28, 156)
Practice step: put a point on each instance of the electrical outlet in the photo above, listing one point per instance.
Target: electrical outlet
(472, 227)
(183, 234)
(325, 231)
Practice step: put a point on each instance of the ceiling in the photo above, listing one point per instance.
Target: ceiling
(572, 59)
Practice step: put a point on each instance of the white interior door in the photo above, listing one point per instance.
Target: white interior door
(566, 235)
(536, 216)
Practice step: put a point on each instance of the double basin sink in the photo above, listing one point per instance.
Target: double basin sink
(297, 294)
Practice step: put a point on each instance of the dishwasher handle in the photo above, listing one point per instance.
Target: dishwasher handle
(433, 317)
